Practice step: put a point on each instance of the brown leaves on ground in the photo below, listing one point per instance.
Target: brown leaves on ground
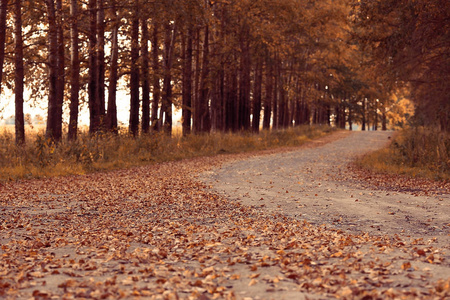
(155, 232)
(399, 183)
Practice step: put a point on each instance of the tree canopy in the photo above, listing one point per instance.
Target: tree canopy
(229, 65)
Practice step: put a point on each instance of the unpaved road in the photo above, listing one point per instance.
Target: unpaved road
(312, 184)
(156, 232)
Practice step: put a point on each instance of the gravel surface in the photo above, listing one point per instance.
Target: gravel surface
(313, 184)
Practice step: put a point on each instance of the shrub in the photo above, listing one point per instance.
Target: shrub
(416, 152)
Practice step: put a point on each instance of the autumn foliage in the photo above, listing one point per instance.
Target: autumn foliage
(228, 65)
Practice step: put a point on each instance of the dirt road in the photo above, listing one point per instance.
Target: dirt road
(312, 184)
(158, 232)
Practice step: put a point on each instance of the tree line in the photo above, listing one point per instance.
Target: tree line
(229, 65)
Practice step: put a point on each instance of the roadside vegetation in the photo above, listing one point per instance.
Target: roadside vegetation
(415, 152)
(39, 157)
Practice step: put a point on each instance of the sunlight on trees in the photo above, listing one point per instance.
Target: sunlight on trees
(228, 65)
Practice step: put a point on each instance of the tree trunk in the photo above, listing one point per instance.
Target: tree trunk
(166, 100)
(61, 72)
(375, 121)
(53, 72)
(111, 116)
(156, 84)
(75, 72)
(349, 119)
(201, 111)
(3, 9)
(134, 73)
(363, 127)
(268, 95)
(257, 96)
(94, 120)
(145, 78)
(275, 119)
(187, 83)
(383, 121)
(18, 74)
(100, 56)
(231, 97)
(244, 82)
(282, 105)
(195, 119)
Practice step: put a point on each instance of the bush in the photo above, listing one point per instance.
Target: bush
(416, 152)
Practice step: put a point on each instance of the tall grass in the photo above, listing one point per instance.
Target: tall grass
(40, 157)
(415, 152)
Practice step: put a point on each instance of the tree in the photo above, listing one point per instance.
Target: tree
(257, 95)
(3, 10)
(187, 81)
(101, 63)
(167, 93)
(229, 64)
(145, 77)
(156, 76)
(94, 107)
(201, 109)
(111, 116)
(60, 71)
(52, 115)
(409, 41)
(75, 71)
(19, 73)
(134, 72)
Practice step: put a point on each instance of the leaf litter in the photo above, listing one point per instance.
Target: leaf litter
(157, 232)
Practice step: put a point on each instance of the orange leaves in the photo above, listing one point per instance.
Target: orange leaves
(154, 231)
(406, 266)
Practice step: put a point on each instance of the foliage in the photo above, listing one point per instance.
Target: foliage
(409, 44)
(221, 62)
(415, 152)
(43, 158)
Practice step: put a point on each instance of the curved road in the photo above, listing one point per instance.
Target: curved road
(302, 184)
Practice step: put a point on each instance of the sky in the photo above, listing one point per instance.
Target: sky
(123, 109)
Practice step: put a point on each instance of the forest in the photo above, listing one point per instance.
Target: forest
(261, 191)
(229, 65)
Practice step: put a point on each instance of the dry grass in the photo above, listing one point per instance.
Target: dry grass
(416, 152)
(42, 158)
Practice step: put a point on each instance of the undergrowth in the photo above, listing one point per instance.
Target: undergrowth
(415, 152)
(40, 157)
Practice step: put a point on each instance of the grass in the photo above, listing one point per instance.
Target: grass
(40, 157)
(415, 152)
